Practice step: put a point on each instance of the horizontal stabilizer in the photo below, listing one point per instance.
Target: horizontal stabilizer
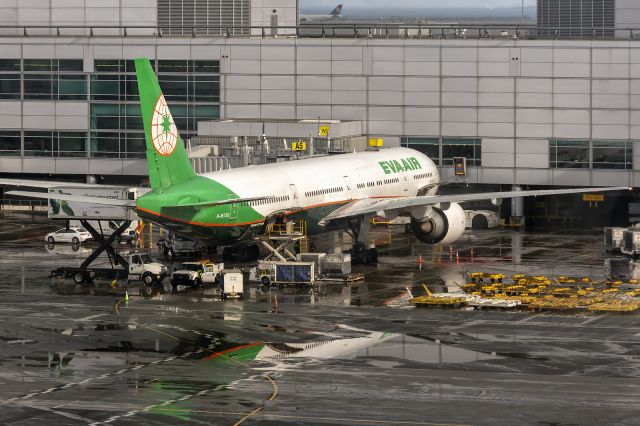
(213, 203)
(76, 198)
(53, 184)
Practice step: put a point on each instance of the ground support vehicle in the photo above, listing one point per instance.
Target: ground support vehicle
(481, 219)
(137, 267)
(613, 238)
(232, 284)
(196, 274)
(285, 273)
(631, 241)
(175, 245)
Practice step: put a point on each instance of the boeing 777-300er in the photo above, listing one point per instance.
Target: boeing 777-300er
(231, 207)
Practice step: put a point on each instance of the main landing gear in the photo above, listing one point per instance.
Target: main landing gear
(358, 229)
(243, 253)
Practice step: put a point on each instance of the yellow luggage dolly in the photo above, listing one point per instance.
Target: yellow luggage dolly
(476, 276)
(469, 286)
(517, 277)
(496, 277)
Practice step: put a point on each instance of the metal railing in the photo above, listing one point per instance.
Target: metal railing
(329, 30)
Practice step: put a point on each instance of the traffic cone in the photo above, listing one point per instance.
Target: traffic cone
(420, 261)
(457, 257)
(126, 296)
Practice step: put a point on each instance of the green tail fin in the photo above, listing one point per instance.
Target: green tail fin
(167, 157)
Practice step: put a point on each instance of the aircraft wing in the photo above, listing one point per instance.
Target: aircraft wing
(77, 198)
(374, 205)
(54, 184)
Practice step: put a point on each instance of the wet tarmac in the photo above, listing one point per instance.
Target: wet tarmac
(337, 354)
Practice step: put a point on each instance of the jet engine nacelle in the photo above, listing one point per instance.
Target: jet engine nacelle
(440, 226)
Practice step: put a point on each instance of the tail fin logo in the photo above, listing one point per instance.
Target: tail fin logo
(164, 133)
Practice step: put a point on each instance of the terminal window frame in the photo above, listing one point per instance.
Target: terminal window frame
(617, 155)
(10, 79)
(192, 88)
(427, 146)
(10, 143)
(469, 148)
(38, 143)
(591, 154)
(54, 79)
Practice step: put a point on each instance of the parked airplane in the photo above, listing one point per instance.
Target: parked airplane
(230, 207)
(335, 14)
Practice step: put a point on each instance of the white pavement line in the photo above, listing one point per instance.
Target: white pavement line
(590, 320)
(90, 379)
(90, 317)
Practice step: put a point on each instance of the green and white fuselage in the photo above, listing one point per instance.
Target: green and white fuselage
(305, 189)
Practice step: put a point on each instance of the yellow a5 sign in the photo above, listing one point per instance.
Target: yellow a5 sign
(299, 146)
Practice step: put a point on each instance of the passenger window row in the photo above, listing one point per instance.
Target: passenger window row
(389, 181)
(324, 191)
(266, 201)
(422, 176)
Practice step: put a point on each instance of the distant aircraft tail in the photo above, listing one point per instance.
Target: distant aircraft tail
(167, 158)
(336, 11)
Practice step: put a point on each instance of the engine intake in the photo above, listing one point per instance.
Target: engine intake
(441, 226)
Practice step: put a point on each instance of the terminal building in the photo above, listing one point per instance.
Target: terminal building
(524, 107)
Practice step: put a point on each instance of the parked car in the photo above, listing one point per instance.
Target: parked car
(68, 235)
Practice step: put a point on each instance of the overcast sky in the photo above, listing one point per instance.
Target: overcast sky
(415, 3)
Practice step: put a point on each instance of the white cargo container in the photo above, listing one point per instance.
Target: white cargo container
(232, 284)
(62, 209)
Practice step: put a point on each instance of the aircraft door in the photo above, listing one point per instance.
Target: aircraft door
(295, 199)
(233, 209)
(347, 186)
(405, 183)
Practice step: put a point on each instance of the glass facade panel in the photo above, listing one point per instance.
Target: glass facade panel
(461, 147)
(43, 65)
(612, 155)
(9, 86)
(38, 144)
(569, 154)
(10, 65)
(210, 67)
(9, 143)
(175, 66)
(135, 145)
(72, 144)
(104, 144)
(428, 146)
(105, 87)
(70, 65)
(72, 87)
(38, 86)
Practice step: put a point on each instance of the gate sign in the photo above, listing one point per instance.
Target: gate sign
(299, 146)
(323, 131)
(460, 166)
